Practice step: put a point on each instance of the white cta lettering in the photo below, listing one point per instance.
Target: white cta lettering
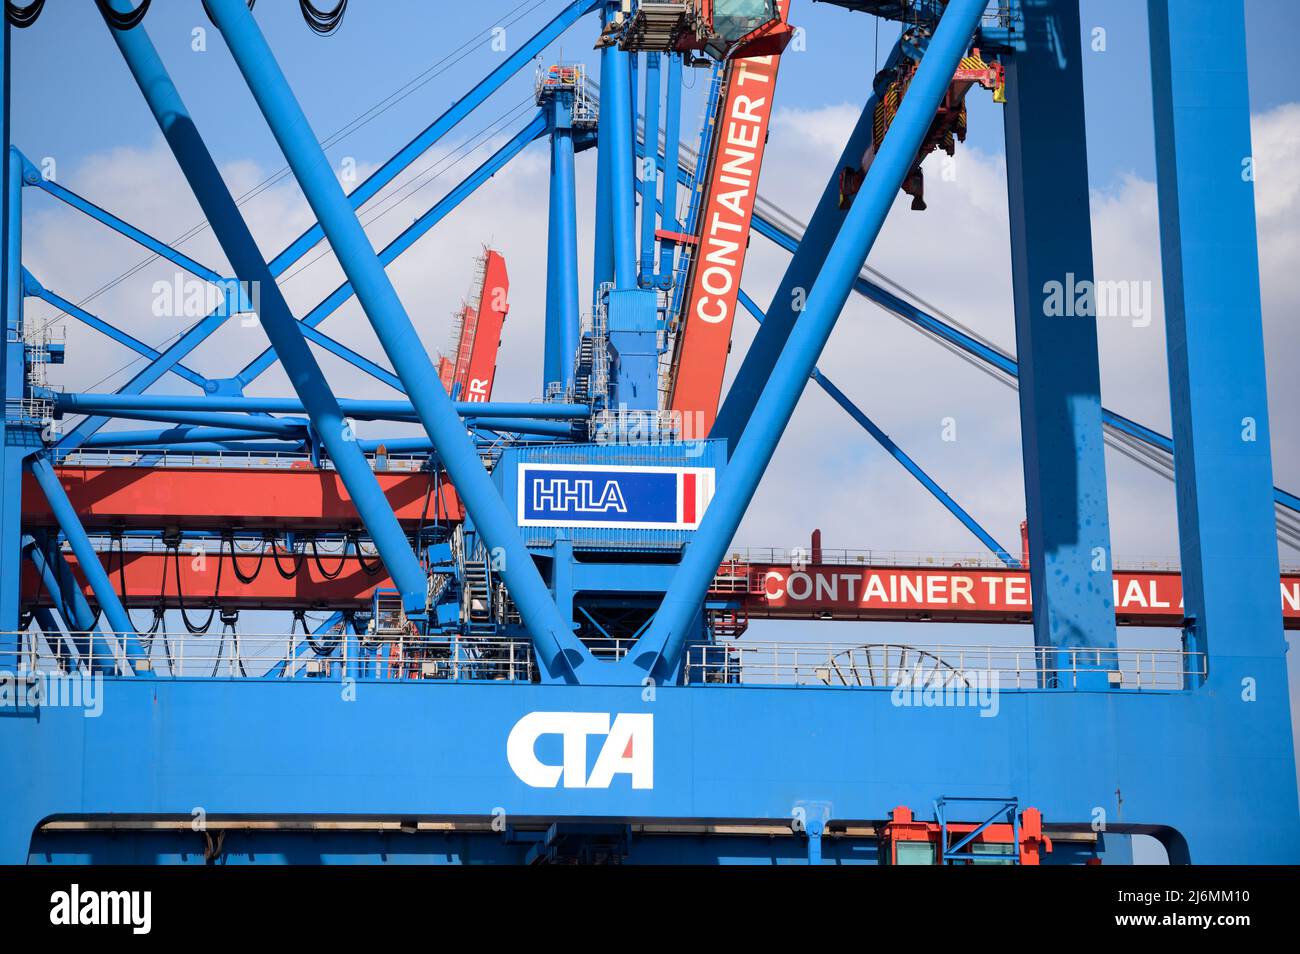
(628, 749)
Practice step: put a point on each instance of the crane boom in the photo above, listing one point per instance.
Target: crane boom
(703, 333)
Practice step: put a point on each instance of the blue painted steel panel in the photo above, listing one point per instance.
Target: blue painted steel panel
(653, 515)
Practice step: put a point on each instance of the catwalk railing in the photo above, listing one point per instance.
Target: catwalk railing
(921, 668)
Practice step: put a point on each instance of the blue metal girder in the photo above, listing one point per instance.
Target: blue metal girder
(617, 139)
(55, 577)
(66, 516)
(367, 190)
(671, 161)
(404, 241)
(896, 452)
(1215, 341)
(649, 172)
(808, 253)
(34, 289)
(182, 434)
(13, 435)
(661, 648)
(281, 328)
(1167, 764)
(560, 651)
(995, 359)
(1060, 382)
(158, 247)
(562, 318)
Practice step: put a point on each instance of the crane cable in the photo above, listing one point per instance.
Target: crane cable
(23, 17)
(180, 598)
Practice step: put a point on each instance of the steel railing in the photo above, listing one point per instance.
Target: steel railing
(889, 665)
(230, 654)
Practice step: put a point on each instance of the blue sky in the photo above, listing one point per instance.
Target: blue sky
(67, 70)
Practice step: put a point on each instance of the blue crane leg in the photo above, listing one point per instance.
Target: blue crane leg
(649, 170)
(277, 320)
(562, 255)
(792, 293)
(1060, 385)
(393, 328)
(1215, 341)
(662, 645)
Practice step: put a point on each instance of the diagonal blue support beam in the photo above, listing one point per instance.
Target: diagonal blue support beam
(911, 466)
(367, 190)
(1216, 350)
(65, 595)
(300, 365)
(87, 559)
(34, 289)
(559, 650)
(807, 255)
(182, 434)
(413, 232)
(995, 359)
(158, 247)
(660, 649)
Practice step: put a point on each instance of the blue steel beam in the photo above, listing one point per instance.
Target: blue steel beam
(1060, 380)
(560, 651)
(671, 162)
(911, 466)
(87, 558)
(616, 138)
(367, 190)
(1215, 342)
(120, 225)
(184, 434)
(34, 289)
(65, 595)
(660, 649)
(277, 320)
(116, 404)
(406, 239)
(562, 317)
(12, 363)
(989, 356)
(808, 253)
(650, 171)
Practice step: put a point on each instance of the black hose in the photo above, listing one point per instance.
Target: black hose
(370, 569)
(299, 556)
(323, 22)
(23, 17)
(123, 21)
(343, 559)
(234, 562)
(180, 598)
(121, 577)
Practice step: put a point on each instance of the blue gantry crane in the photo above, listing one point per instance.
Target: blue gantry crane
(527, 642)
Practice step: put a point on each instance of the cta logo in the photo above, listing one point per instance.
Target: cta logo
(628, 749)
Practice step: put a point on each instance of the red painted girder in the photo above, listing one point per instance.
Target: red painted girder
(944, 594)
(352, 588)
(222, 497)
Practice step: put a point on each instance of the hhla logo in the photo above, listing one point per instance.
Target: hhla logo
(628, 749)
